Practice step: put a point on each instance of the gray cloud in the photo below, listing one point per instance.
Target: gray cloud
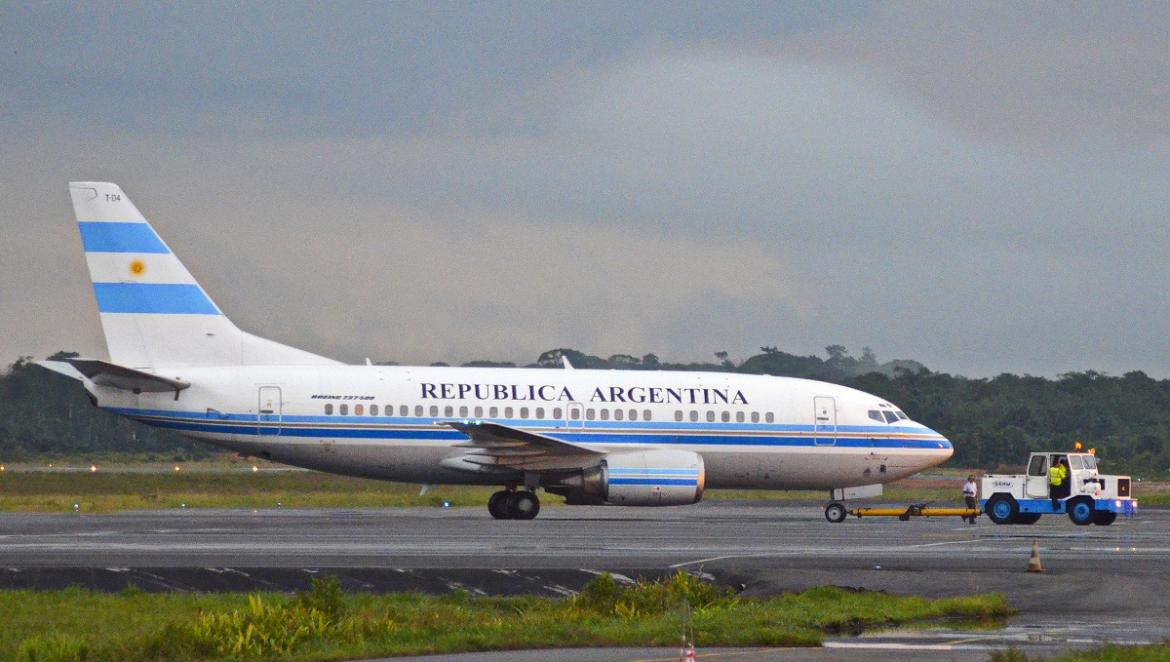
(415, 184)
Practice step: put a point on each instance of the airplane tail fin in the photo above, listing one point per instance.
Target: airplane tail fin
(153, 312)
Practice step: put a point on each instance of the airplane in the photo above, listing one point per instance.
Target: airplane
(596, 437)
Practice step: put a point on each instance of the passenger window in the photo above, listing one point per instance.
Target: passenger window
(876, 415)
(493, 412)
(1039, 466)
(448, 411)
(589, 414)
(633, 414)
(328, 410)
(694, 416)
(358, 410)
(524, 412)
(739, 417)
(678, 415)
(540, 413)
(373, 410)
(463, 412)
(404, 410)
(575, 413)
(343, 409)
(769, 417)
(434, 410)
(418, 410)
(507, 412)
(604, 414)
(617, 414)
(479, 412)
(710, 416)
(755, 417)
(556, 412)
(646, 415)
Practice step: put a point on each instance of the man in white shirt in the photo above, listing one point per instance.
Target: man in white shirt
(970, 490)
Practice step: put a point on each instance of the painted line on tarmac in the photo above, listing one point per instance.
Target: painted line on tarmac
(713, 655)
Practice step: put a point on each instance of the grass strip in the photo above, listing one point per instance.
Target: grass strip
(1109, 653)
(216, 487)
(323, 623)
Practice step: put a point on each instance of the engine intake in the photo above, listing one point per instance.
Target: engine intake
(647, 478)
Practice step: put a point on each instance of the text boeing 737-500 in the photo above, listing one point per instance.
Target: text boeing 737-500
(626, 438)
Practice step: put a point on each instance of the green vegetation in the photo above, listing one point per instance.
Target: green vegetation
(991, 421)
(323, 623)
(1110, 653)
(215, 487)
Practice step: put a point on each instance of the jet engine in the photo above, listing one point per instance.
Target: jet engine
(644, 478)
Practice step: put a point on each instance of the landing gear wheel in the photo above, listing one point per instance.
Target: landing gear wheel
(1027, 518)
(1103, 517)
(498, 505)
(1080, 511)
(1002, 509)
(835, 512)
(523, 505)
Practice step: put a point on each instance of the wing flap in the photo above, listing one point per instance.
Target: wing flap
(493, 444)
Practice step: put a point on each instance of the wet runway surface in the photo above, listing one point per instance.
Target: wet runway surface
(1101, 583)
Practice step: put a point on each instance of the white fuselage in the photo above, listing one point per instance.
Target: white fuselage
(388, 422)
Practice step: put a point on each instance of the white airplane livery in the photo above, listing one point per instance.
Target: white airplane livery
(627, 438)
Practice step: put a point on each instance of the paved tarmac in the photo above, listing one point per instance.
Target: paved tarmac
(1101, 583)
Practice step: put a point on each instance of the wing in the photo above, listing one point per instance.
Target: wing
(493, 446)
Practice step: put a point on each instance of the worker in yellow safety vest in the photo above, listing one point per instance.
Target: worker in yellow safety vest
(1056, 475)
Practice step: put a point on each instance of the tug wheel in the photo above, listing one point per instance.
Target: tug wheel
(1002, 509)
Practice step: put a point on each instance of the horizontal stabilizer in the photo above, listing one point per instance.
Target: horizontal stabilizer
(103, 373)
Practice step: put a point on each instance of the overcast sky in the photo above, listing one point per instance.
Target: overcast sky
(982, 187)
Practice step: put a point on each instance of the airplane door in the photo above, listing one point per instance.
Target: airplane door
(269, 408)
(824, 421)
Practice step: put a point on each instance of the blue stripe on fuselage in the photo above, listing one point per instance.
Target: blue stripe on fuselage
(243, 424)
(159, 298)
(120, 238)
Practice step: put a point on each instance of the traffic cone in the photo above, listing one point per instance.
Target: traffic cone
(1034, 562)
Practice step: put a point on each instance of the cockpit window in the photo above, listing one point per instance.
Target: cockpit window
(891, 417)
(876, 415)
(902, 416)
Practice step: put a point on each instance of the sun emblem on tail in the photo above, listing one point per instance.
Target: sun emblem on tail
(137, 267)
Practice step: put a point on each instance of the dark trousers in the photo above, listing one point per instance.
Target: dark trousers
(971, 503)
(1057, 493)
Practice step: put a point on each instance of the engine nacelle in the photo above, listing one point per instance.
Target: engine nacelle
(647, 478)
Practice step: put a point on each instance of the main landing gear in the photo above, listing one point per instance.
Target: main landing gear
(512, 504)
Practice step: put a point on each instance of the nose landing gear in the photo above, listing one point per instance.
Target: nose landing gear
(513, 504)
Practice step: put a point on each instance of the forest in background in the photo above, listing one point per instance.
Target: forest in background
(991, 421)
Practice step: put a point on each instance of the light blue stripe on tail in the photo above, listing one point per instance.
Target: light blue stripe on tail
(120, 238)
(160, 298)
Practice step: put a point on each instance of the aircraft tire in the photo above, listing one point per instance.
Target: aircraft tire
(498, 505)
(1002, 509)
(835, 512)
(1103, 517)
(523, 505)
(1080, 511)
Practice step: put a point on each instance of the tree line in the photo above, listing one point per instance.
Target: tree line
(991, 421)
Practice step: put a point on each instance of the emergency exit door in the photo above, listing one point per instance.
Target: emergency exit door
(824, 421)
(269, 409)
